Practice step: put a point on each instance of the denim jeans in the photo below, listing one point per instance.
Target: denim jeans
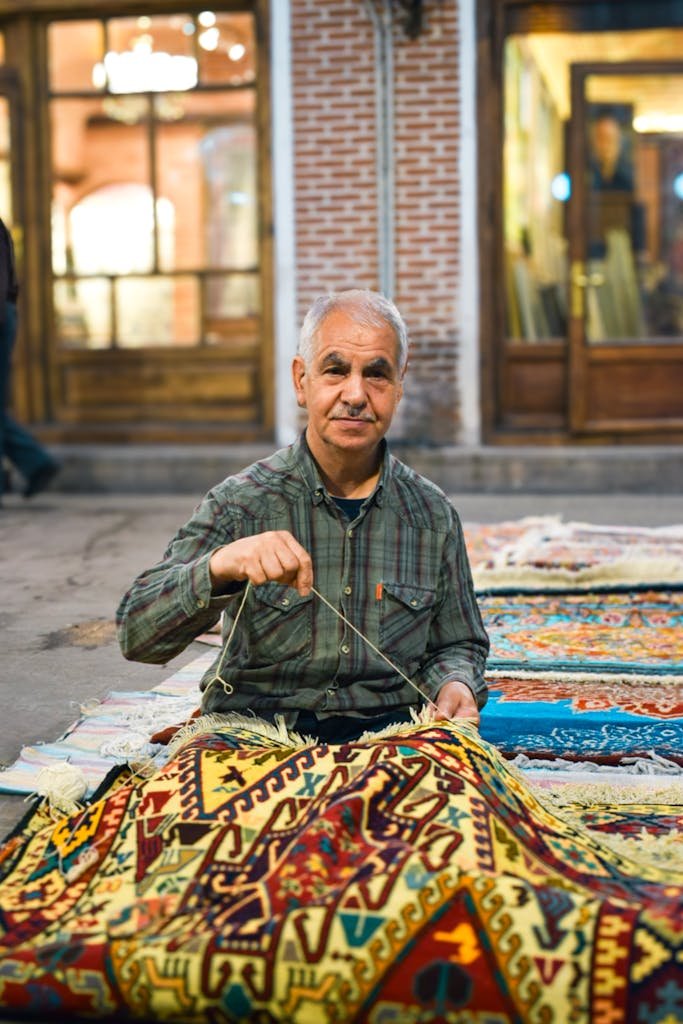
(16, 444)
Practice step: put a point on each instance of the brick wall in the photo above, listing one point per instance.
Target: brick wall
(336, 197)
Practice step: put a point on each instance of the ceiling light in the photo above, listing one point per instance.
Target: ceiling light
(208, 40)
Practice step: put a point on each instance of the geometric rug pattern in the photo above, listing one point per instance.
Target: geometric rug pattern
(410, 877)
(531, 871)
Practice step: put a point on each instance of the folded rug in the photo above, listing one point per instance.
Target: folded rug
(545, 552)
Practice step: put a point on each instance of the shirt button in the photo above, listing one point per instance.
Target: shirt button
(285, 601)
(201, 603)
(349, 533)
(414, 603)
(331, 691)
(347, 590)
(345, 648)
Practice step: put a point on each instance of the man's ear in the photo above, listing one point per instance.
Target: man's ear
(298, 374)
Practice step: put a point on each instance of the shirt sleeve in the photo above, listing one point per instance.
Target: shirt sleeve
(458, 643)
(169, 605)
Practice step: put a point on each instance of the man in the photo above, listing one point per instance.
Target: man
(610, 166)
(334, 513)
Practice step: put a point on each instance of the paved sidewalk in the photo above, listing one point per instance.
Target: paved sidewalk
(67, 559)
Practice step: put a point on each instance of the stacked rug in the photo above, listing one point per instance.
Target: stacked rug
(528, 871)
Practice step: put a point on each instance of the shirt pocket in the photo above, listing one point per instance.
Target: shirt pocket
(280, 624)
(405, 620)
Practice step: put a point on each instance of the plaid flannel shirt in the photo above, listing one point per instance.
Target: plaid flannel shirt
(399, 572)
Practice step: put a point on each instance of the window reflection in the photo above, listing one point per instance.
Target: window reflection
(227, 51)
(73, 49)
(83, 313)
(155, 179)
(157, 311)
(534, 226)
(229, 297)
(633, 219)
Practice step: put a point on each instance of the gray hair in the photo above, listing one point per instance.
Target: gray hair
(369, 309)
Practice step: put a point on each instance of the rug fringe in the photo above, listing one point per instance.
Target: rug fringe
(627, 571)
(569, 676)
(275, 732)
(653, 765)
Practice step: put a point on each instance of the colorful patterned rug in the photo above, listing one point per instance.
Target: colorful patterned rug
(546, 553)
(410, 878)
(589, 674)
(622, 633)
(616, 722)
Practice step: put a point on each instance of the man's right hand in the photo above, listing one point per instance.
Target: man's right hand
(274, 555)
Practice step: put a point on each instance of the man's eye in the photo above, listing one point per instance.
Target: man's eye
(336, 371)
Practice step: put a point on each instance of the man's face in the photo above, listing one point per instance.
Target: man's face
(606, 140)
(351, 388)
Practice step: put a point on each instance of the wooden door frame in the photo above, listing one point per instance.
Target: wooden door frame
(35, 361)
(495, 20)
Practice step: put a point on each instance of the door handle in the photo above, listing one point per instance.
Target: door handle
(580, 280)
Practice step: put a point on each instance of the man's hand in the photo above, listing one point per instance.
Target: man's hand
(274, 555)
(456, 700)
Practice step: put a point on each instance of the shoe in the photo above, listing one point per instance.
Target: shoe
(41, 479)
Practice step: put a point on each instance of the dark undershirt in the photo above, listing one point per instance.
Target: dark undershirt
(349, 506)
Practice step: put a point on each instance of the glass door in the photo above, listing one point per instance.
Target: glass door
(626, 248)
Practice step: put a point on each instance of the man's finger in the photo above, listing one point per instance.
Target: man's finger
(304, 572)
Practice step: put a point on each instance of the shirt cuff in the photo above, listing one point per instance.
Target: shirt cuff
(196, 589)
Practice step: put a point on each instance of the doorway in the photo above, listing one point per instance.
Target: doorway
(582, 304)
(626, 248)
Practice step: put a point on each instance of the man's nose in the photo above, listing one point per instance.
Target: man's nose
(354, 390)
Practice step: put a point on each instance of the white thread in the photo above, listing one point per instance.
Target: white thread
(372, 647)
(133, 744)
(62, 784)
(217, 678)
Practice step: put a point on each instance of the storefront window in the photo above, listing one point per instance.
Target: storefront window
(154, 161)
(626, 240)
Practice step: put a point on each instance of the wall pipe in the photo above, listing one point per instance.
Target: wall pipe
(385, 160)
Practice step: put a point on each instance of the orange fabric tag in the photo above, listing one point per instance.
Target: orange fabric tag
(378, 592)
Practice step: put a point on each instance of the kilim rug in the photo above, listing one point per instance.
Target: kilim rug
(546, 553)
(407, 878)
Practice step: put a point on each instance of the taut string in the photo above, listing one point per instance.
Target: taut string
(217, 678)
(372, 647)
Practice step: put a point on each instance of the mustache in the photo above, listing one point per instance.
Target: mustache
(349, 412)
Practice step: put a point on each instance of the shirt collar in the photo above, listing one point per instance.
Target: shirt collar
(311, 476)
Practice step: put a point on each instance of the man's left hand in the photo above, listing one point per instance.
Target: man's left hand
(456, 700)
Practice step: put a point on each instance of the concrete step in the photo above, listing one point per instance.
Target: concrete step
(193, 469)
